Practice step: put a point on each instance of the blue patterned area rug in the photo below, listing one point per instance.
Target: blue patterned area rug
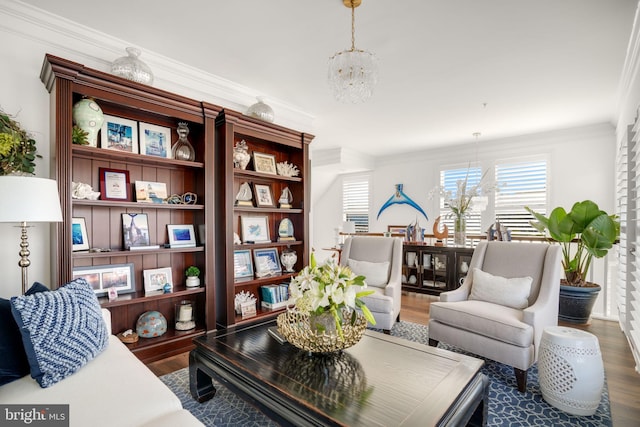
(506, 406)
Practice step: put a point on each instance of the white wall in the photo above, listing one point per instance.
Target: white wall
(581, 166)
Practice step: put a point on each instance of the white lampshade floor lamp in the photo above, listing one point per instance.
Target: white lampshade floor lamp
(25, 200)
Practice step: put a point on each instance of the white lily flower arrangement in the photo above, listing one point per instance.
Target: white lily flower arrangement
(329, 288)
(466, 197)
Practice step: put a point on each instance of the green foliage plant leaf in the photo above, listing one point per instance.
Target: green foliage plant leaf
(583, 233)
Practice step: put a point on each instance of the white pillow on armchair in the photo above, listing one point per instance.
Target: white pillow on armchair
(375, 273)
(512, 293)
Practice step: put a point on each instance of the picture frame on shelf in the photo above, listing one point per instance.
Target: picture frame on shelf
(267, 262)
(114, 184)
(265, 163)
(242, 264)
(397, 229)
(264, 197)
(155, 140)
(150, 192)
(135, 231)
(181, 236)
(79, 237)
(155, 279)
(119, 134)
(255, 229)
(102, 278)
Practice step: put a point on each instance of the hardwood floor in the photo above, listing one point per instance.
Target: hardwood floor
(622, 379)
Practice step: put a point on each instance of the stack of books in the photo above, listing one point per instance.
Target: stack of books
(274, 296)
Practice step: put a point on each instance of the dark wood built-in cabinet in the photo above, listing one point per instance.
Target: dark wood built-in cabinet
(286, 145)
(434, 269)
(213, 132)
(69, 82)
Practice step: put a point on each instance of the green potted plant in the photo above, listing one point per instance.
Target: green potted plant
(192, 273)
(584, 232)
(17, 148)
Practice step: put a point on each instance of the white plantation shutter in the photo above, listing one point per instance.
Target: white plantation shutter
(631, 290)
(355, 201)
(624, 209)
(520, 184)
(449, 181)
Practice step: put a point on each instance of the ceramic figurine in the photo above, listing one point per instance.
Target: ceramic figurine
(241, 155)
(288, 259)
(286, 198)
(244, 196)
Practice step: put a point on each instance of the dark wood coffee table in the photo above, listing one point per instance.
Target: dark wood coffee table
(381, 381)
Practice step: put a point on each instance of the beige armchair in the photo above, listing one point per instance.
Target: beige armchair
(495, 315)
(379, 259)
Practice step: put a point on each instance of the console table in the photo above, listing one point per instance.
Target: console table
(434, 269)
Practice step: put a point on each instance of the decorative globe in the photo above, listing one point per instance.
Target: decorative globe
(151, 324)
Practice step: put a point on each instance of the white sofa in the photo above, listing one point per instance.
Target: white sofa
(114, 389)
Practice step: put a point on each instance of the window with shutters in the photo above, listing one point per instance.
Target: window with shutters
(450, 179)
(355, 201)
(520, 184)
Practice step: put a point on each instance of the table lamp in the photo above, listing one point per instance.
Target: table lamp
(26, 199)
(348, 228)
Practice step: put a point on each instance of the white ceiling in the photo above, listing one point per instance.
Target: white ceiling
(538, 64)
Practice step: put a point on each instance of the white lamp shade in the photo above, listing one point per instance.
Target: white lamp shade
(348, 227)
(29, 199)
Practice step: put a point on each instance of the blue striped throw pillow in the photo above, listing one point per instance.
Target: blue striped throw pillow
(61, 330)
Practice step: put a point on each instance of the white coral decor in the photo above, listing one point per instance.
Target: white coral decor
(242, 297)
(287, 169)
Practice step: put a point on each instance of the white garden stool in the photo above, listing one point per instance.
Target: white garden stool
(570, 370)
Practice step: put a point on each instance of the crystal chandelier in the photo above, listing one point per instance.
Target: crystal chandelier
(353, 73)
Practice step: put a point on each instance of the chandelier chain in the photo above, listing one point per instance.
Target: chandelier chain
(353, 27)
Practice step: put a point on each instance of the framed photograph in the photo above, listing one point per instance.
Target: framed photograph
(79, 234)
(155, 140)
(242, 264)
(151, 192)
(265, 163)
(263, 195)
(135, 230)
(397, 229)
(119, 134)
(114, 184)
(255, 229)
(181, 236)
(267, 262)
(103, 278)
(155, 279)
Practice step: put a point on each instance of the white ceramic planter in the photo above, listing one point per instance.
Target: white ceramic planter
(193, 282)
